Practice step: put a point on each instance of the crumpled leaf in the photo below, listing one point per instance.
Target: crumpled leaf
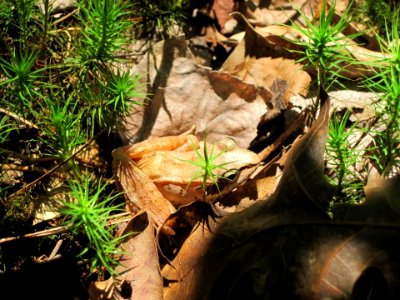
(273, 12)
(254, 61)
(279, 41)
(184, 94)
(240, 248)
(140, 191)
(287, 248)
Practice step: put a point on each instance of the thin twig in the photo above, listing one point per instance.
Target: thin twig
(66, 16)
(42, 233)
(56, 248)
(22, 120)
(25, 187)
(53, 255)
(13, 167)
(27, 158)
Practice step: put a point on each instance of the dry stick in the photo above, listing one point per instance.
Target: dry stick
(18, 118)
(60, 229)
(27, 158)
(53, 255)
(55, 250)
(11, 167)
(24, 188)
(42, 233)
(65, 17)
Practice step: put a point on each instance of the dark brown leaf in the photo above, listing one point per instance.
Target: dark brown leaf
(242, 257)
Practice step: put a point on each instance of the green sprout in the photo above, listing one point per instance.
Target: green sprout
(90, 211)
(386, 83)
(123, 89)
(63, 135)
(21, 76)
(325, 46)
(343, 159)
(108, 99)
(208, 166)
(105, 26)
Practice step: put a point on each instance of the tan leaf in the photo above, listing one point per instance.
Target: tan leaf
(141, 192)
(274, 12)
(254, 61)
(140, 265)
(185, 94)
(139, 276)
(222, 10)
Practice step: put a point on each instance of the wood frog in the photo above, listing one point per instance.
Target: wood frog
(161, 172)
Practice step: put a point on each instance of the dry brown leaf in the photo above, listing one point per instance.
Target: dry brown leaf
(238, 247)
(222, 10)
(139, 277)
(382, 197)
(286, 247)
(185, 94)
(343, 262)
(265, 13)
(180, 273)
(140, 191)
(276, 41)
(140, 265)
(266, 70)
(254, 61)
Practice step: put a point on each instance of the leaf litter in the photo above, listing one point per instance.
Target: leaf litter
(266, 234)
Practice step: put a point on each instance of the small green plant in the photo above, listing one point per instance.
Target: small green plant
(325, 46)
(386, 83)
(105, 94)
(62, 85)
(21, 77)
(104, 31)
(208, 166)
(64, 135)
(5, 130)
(89, 211)
(343, 159)
(110, 98)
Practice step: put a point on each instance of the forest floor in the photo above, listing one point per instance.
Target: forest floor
(251, 175)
